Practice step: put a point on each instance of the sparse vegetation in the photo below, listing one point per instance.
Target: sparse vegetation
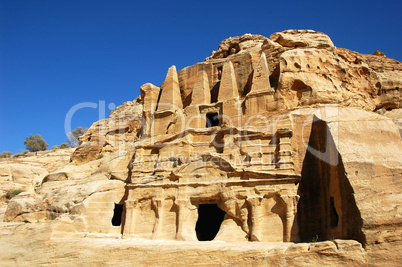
(63, 145)
(35, 143)
(100, 156)
(20, 154)
(5, 154)
(13, 193)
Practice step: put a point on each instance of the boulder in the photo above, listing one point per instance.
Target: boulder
(302, 38)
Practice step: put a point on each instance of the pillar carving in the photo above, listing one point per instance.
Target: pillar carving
(157, 205)
(129, 225)
(184, 208)
(254, 204)
(291, 210)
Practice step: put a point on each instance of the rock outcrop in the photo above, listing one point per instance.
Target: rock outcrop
(286, 139)
(115, 133)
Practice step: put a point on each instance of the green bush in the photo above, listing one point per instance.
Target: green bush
(35, 143)
(13, 193)
(99, 156)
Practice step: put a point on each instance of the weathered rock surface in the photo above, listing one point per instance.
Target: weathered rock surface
(75, 195)
(395, 115)
(234, 45)
(20, 176)
(26, 172)
(346, 167)
(49, 160)
(115, 133)
(41, 249)
(302, 38)
(281, 139)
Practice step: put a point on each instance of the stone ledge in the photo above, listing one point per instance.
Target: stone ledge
(40, 249)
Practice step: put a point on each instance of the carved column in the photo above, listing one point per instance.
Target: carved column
(158, 205)
(184, 208)
(291, 210)
(130, 220)
(254, 204)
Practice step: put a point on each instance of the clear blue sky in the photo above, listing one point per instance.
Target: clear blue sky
(56, 54)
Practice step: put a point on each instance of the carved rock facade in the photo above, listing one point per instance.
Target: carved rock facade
(213, 155)
(269, 139)
(219, 138)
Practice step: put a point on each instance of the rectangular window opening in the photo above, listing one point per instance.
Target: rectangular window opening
(212, 119)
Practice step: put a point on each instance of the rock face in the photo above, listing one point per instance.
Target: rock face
(279, 139)
(351, 166)
(109, 135)
(25, 172)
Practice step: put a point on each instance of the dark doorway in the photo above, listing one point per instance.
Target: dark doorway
(212, 120)
(209, 221)
(118, 212)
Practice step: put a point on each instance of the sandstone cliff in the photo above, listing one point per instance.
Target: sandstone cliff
(279, 139)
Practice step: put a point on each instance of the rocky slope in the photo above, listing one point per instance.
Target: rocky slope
(342, 108)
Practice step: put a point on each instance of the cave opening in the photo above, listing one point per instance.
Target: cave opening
(212, 119)
(117, 214)
(210, 218)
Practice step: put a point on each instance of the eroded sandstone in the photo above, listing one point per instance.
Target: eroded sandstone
(276, 139)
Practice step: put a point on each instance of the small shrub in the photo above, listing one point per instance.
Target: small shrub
(99, 156)
(13, 193)
(5, 154)
(63, 145)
